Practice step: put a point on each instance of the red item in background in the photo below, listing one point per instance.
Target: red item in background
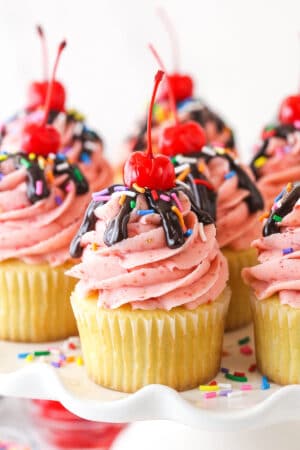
(63, 430)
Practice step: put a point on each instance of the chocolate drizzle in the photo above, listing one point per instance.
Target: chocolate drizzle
(280, 131)
(116, 229)
(287, 203)
(63, 167)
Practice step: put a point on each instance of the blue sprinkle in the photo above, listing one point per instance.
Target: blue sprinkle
(62, 357)
(85, 158)
(230, 174)
(55, 364)
(224, 370)
(264, 383)
(144, 212)
(184, 103)
(61, 156)
(22, 355)
(58, 200)
(286, 251)
(279, 196)
(188, 232)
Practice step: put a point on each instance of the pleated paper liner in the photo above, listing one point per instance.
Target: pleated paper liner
(35, 302)
(277, 340)
(239, 312)
(127, 349)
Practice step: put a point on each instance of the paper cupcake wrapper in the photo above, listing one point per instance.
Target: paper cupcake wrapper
(126, 350)
(35, 302)
(239, 312)
(277, 340)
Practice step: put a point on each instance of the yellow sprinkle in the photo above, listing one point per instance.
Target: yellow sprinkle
(220, 150)
(3, 157)
(183, 174)
(79, 361)
(259, 162)
(30, 357)
(201, 167)
(137, 188)
(180, 217)
(263, 216)
(149, 240)
(31, 156)
(289, 187)
(41, 162)
(94, 246)
(207, 388)
(70, 359)
(76, 114)
(122, 199)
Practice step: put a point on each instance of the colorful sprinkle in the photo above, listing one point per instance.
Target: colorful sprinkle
(264, 383)
(225, 392)
(225, 385)
(39, 187)
(224, 370)
(24, 163)
(180, 217)
(259, 162)
(230, 174)
(37, 353)
(154, 195)
(188, 232)
(78, 175)
(289, 187)
(239, 374)
(132, 204)
(177, 201)
(61, 167)
(58, 200)
(101, 198)
(252, 368)
(234, 378)
(208, 151)
(277, 218)
(165, 198)
(181, 168)
(209, 388)
(94, 247)
(79, 361)
(183, 174)
(31, 156)
(246, 350)
(287, 251)
(244, 340)
(85, 158)
(3, 157)
(137, 188)
(122, 199)
(56, 364)
(204, 183)
(246, 387)
(145, 212)
(263, 216)
(210, 395)
(29, 358)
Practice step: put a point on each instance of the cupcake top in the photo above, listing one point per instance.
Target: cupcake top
(231, 195)
(277, 160)
(148, 248)
(79, 143)
(279, 251)
(42, 201)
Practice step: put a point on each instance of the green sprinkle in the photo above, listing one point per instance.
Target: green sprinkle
(78, 174)
(277, 218)
(235, 378)
(25, 163)
(42, 353)
(174, 160)
(244, 340)
(269, 128)
(132, 204)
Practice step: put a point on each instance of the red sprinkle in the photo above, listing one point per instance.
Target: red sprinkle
(213, 383)
(72, 346)
(204, 183)
(252, 368)
(239, 374)
(246, 350)
(154, 195)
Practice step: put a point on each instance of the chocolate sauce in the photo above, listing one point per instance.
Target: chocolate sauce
(62, 167)
(288, 201)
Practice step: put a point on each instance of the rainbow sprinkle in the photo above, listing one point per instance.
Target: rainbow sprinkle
(287, 251)
(145, 212)
(177, 201)
(165, 198)
(259, 162)
(180, 217)
(264, 383)
(230, 174)
(137, 188)
(39, 187)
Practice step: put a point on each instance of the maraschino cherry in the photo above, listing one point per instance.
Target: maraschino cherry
(145, 169)
(37, 91)
(40, 138)
(181, 85)
(289, 111)
(181, 138)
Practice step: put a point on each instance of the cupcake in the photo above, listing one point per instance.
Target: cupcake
(277, 160)
(43, 197)
(276, 290)
(79, 143)
(151, 299)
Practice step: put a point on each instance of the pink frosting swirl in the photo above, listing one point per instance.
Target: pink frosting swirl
(97, 170)
(39, 232)
(281, 167)
(236, 225)
(278, 272)
(143, 271)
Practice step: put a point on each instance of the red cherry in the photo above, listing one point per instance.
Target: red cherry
(289, 111)
(181, 85)
(37, 93)
(40, 139)
(144, 169)
(182, 138)
(153, 173)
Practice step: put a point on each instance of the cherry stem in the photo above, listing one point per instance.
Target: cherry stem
(170, 90)
(172, 33)
(51, 82)
(158, 77)
(42, 36)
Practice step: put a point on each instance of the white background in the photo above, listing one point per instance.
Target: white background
(243, 54)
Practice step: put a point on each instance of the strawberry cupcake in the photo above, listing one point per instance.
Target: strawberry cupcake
(151, 300)
(276, 290)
